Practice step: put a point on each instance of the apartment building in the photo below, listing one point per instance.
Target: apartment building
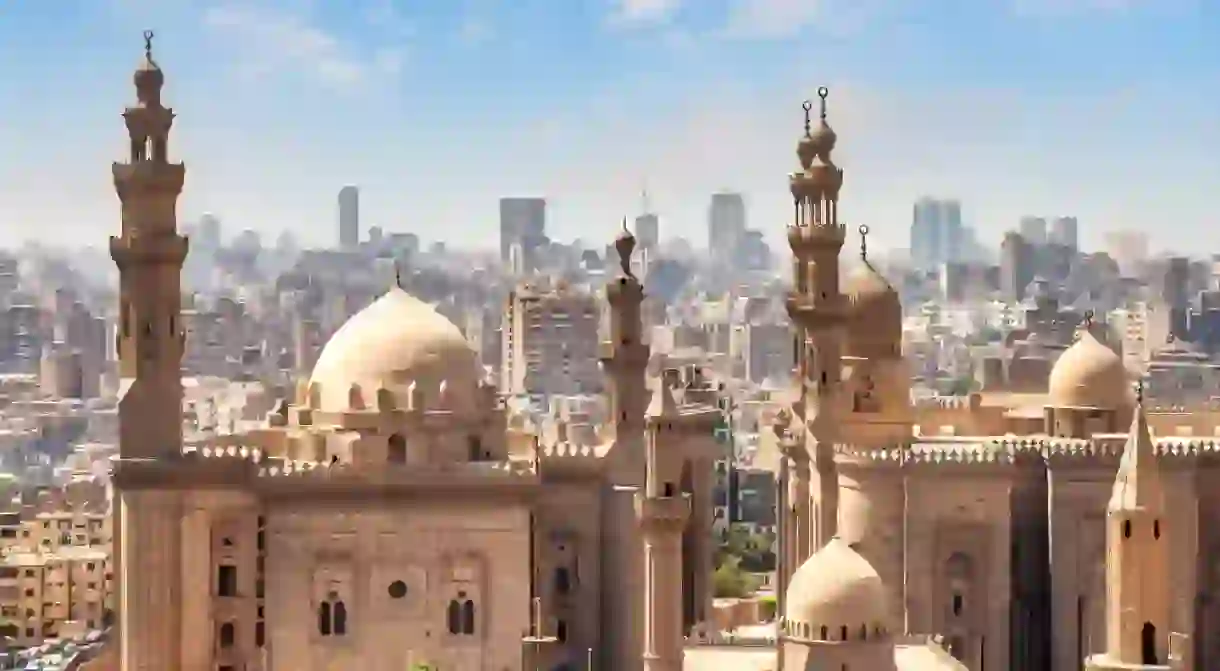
(44, 592)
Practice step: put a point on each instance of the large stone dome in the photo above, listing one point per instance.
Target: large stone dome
(837, 588)
(1089, 375)
(396, 341)
(875, 326)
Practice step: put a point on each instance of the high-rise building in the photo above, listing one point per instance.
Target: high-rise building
(936, 233)
(1033, 229)
(1065, 231)
(349, 217)
(1016, 266)
(207, 235)
(648, 231)
(522, 231)
(549, 340)
(726, 223)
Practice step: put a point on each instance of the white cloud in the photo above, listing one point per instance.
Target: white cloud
(269, 41)
(772, 18)
(636, 12)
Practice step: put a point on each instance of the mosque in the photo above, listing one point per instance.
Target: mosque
(388, 516)
(1027, 531)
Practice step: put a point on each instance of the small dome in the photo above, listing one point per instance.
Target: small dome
(395, 342)
(836, 588)
(824, 139)
(875, 315)
(1089, 375)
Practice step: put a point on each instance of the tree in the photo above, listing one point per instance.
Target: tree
(729, 582)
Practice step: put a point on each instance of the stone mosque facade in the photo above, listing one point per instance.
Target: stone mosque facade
(389, 516)
(1030, 536)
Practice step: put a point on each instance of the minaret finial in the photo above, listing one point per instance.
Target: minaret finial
(823, 93)
(808, 107)
(624, 244)
(1139, 391)
(864, 242)
(148, 38)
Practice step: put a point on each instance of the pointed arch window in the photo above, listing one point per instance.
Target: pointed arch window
(460, 615)
(332, 616)
(228, 635)
(396, 452)
(454, 617)
(468, 617)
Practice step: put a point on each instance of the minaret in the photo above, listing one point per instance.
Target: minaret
(624, 358)
(662, 511)
(149, 255)
(1137, 580)
(817, 309)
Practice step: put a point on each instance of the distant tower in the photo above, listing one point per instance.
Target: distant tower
(149, 255)
(818, 309)
(1137, 582)
(349, 217)
(663, 510)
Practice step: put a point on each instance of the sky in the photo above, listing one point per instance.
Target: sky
(1102, 109)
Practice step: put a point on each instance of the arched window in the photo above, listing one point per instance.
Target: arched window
(468, 617)
(1148, 644)
(227, 635)
(340, 619)
(563, 580)
(324, 618)
(1127, 529)
(396, 450)
(454, 617)
(1156, 529)
(474, 447)
(843, 633)
(825, 633)
(561, 631)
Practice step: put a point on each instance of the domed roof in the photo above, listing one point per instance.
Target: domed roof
(876, 314)
(1089, 375)
(396, 341)
(837, 587)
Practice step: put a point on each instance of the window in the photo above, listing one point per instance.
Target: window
(396, 451)
(475, 447)
(227, 634)
(1156, 529)
(957, 605)
(260, 634)
(397, 589)
(332, 616)
(563, 580)
(460, 616)
(561, 631)
(226, 580)
(1127, 529)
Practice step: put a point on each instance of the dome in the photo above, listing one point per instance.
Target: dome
(1089, 375)
(836, 588)
(396, 341)
(876, 315)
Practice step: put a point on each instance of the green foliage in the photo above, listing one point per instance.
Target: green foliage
(752, 552)
(730, 582)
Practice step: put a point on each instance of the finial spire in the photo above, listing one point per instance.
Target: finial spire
(148, 38)
(624, 244)
(808, 107)
(823, 93)
(863, 242)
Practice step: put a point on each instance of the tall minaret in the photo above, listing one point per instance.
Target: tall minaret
(1137, 580)
(663, 510)
(624, 358)
(816, 307)
(149, 255)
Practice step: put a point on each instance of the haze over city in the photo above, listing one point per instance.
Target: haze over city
(1099, 109)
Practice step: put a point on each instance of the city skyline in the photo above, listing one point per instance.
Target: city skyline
(1011, 108)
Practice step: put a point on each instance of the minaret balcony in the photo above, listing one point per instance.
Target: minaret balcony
(814, 313)
(663, 513)
(816, 239)
(148, 177)
(129, 250)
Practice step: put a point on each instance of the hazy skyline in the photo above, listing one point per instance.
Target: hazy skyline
(1102, 109)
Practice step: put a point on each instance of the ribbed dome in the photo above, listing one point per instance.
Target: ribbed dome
(875, 327)
(836, 588)
(392, 343)
(1089, 375)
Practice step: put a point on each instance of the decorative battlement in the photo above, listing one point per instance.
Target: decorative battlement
(1099, 450)
(948, 402)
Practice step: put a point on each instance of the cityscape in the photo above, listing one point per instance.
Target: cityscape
(815, 443)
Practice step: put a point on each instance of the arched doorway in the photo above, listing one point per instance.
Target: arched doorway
(1148, 644)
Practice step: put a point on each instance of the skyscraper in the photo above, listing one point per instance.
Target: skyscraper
(1033, 229)
(726, 223)
(349, 217)
(936, 232)
(1065, 231)
(522, 228)
(648, 231)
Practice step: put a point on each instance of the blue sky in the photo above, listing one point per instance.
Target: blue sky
(1105, 109)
